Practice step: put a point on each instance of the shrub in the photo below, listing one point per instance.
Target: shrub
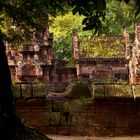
(78, 90)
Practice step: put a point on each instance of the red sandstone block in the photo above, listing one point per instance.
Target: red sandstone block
(51, 130)
(63, 130)
(76, 131)
(136, 92)
(109, 131)
(60, 106)
(121, 120)
(104, 109)
(126, 131)
(100, 120)
(36, 119)
(99, 131)
(90, 107)
(78, 119)
(16, 91)
(109, 91)
(78, 108)
(133, 121)
(105, 131)
(55, 118)
(124, 92)
(98, 92)
(26, 91)
(89, 131)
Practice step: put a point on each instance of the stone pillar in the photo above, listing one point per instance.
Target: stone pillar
(48, 42)
(137, 39)
(134, 66)
(75, 45)
(127, 43)
(78, 70)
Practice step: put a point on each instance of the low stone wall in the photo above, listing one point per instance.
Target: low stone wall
(108, 114)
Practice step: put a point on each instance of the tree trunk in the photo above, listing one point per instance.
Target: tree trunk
(11, 127)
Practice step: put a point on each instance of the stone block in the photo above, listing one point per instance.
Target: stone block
(89, 131)
(51, 130)
(98, 92)
(109, 131)
(136, 92)
(100, 120)
(26, 91)
(63, 130)
(81, 107)
(99, 131)
(55, 119)
(104, 107)
(65, 118)
(90, 107)
(77, 130)
(37, 119)
(126, 131)
(105, 131)
(121, 120)
(60, 106)
(16, 91)
(78, 119)
(133, 121)
(91, 120)
(109, 91)
(124, 92)
(39, 90)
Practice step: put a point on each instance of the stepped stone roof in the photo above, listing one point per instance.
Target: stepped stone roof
(102, 46)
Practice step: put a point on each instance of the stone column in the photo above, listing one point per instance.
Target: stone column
(127, 43)
(75, 45)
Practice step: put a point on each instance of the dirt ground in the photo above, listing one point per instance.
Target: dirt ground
(59, 137)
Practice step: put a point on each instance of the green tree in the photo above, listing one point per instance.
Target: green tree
(118, 16)
(62, 27)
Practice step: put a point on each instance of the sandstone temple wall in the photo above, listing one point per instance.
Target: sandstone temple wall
(113, 113)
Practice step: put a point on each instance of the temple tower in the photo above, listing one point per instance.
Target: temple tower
(35, 53)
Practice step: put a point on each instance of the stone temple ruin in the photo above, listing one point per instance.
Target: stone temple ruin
(35, 60)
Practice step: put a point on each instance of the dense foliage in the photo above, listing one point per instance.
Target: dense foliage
(118, 16)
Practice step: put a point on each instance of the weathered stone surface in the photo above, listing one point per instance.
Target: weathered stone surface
(16, 91)
(63, 130)
(98, 92)
(124, 91)
(79, 119)
(109, 91)
(76, 130)
(26, 91)
(136, 92)
(39, 91)
(60, 106)
(103, 118)
(55, 118)
(66, 119)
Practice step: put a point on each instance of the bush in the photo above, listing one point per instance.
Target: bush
(78, 90)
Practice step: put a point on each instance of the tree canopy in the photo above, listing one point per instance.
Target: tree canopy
(28, 13)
